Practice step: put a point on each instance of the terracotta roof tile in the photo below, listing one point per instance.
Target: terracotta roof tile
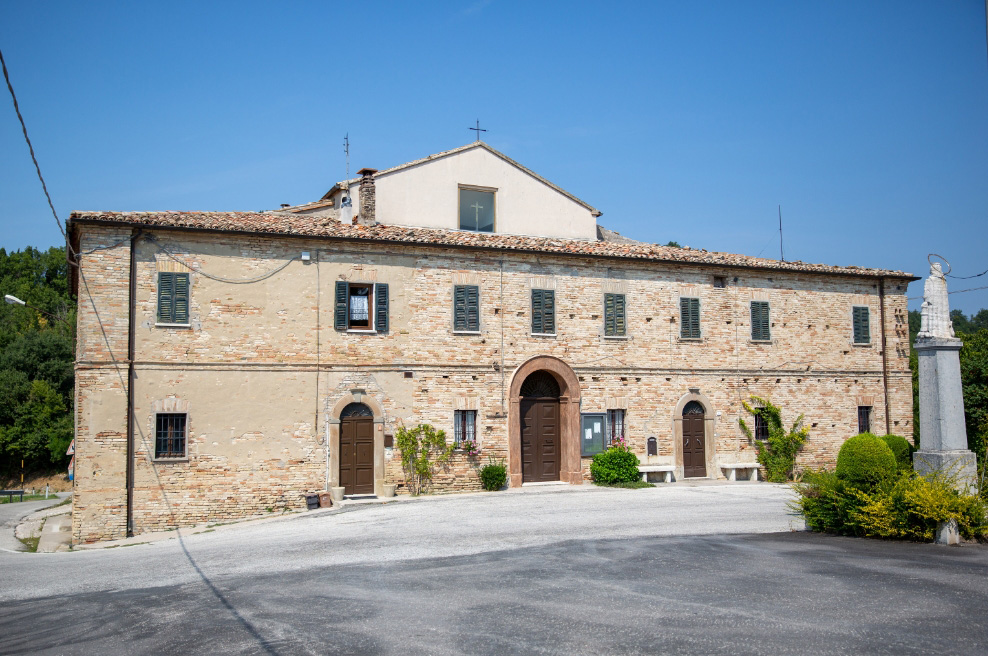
(287, 224)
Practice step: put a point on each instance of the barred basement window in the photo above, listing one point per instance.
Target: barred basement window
(864, 419)
(543, 312)
(860, 315)
(615, 426)
(761, 330)
(464, 426)
(466, 308)
(169, 435)
(173, 298)
(761, 427)
(689, 318)
(615, 322)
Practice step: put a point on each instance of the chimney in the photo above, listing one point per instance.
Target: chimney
(368, 198)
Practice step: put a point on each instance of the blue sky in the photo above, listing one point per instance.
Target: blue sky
(686, 121)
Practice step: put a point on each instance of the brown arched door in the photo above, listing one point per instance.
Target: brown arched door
(357, 449)
(540, 443)
(694, 458)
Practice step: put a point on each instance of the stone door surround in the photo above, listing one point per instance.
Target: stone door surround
(709, 416)
(569, 419)
(357, 396)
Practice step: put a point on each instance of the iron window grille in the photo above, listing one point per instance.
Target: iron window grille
(173, 298)
(466, 308)
(170, 437)
(864, 419)
(689, 318)
(465, 426)
(615, 426)
(761, 427)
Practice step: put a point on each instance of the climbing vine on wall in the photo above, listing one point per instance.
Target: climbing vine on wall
(423, 451)
(777, 454)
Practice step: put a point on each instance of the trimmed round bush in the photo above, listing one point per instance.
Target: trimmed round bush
(901, 449)
(493, 477)
(865, 459)
(616, 465)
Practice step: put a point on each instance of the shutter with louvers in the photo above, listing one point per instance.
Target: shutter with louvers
(689, 318)
(181, 304)
(459, 307)
(381, 304)
(620, 325)
(473, 307)
(760, 321)
(610, 320)
(339, 311)
(166, 297)
(862, 329)
(537, 324)
(548, 311)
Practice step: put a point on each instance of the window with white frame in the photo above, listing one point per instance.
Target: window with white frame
(465, 427)
(615, 426)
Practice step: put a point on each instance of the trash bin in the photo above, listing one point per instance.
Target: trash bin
(325, 499)
(312, 501)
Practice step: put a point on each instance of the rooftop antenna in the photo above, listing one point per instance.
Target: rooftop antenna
(478, 129)
(346, 202)
(782, 251)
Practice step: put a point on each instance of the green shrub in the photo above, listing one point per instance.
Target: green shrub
(423, 450)
(777, 454)
(905, 506)
(901, 449)
(493, 475)
(615, 465)
(865, 460)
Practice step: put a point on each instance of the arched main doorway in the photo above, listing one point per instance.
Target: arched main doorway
(540, 428)
(357, 449)
(694, 438)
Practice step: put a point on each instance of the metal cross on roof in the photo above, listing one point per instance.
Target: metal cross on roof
(478, 129)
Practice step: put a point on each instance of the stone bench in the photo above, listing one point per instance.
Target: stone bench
(733, 468)
(10, 494)
(666, 470)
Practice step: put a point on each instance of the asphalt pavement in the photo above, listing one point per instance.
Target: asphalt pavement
(12, 513)
(691, 570)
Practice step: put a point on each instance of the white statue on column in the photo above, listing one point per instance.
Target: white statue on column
(936, 309)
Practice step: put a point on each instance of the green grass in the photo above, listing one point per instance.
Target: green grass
(17, 499)
(30, 543)
(633, 485)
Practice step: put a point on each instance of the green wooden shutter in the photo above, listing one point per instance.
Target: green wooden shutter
(472, 301)
(610, 323)
(166, 297)
(689, 318)
(459, 307)
(620, 324)
(339, 313)
(381, 304)
(537, 323)
(760, 321)
(548, 311)
(862, 328)
(181, 304)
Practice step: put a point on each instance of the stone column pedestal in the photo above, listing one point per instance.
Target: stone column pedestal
(943, 435)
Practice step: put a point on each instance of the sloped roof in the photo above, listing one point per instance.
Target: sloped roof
(470, 146)
(295, 225)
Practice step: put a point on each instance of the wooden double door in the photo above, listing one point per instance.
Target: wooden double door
(694, 455)
(357, 455)
(539, 440)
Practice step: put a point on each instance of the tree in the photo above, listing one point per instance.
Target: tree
(674, 244)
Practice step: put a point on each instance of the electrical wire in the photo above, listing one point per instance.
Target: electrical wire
(959, 291)
(37, 167)
(977, 275)
(231, 281)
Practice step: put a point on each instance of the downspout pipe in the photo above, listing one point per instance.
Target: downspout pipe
(885, 361)
(131, 336)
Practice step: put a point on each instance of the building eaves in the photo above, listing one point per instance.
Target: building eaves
(286, 224)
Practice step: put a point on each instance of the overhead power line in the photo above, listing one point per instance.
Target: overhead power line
(977, 275)
(13, 96)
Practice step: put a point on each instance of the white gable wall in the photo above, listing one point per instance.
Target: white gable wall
(427, 195)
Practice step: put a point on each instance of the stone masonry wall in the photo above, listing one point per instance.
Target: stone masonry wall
(261, 364)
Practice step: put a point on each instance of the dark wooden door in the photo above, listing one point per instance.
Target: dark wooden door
(539, 440)
(357, 455)
(694, 460)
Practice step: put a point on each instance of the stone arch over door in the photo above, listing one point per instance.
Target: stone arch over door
(569, 418)
(357, 396)
(709, 417)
